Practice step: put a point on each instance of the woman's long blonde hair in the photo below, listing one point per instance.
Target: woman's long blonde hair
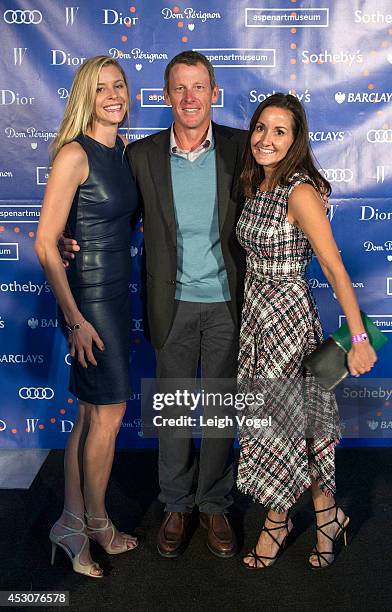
(78, 114)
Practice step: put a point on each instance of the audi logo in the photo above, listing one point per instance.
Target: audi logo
(36, 393)
(379, 136)
(338, 175)
(19, 17)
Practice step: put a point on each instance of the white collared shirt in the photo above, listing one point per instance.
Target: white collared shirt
(207, 144)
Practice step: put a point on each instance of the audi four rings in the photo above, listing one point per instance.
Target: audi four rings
(36, 393)
(19, 17)
(379, 136)
(338, 175)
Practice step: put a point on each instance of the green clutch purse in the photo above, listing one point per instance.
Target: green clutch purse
(328, 363)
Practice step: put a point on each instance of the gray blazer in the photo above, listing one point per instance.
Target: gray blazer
(149, 160)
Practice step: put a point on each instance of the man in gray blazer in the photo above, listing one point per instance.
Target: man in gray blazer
(187, 177)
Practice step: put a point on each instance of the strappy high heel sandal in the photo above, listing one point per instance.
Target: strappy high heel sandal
(58, 540)
(260, 558)
(109, 525)
(322, 559)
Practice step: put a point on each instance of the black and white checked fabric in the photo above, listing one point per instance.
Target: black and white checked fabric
(280, 326)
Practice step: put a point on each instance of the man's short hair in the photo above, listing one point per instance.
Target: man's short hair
(190, 58)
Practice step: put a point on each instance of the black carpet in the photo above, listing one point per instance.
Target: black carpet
(140, 580)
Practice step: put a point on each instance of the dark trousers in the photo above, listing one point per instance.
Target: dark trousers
(205, 332)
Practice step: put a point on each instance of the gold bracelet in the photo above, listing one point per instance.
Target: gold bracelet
(75, 327)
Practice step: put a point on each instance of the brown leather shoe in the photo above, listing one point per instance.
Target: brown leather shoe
(174, 534)
(221, 539)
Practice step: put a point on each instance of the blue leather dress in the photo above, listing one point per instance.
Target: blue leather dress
(99, 276)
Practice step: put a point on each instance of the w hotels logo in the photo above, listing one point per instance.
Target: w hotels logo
(19, 53)
(70, 14)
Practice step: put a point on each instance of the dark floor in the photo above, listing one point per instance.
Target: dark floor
(360, 579)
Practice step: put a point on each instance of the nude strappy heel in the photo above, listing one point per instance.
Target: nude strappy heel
(108, 525)
(58, 540)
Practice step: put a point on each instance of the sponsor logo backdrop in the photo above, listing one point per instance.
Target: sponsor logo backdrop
(336, 57)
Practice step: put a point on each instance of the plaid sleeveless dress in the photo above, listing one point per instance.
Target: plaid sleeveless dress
(280, 326)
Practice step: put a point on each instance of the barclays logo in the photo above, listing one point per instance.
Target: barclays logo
(21, 359)
(2, 323)
(326, 136)
(33, 323)
(359, 97)
(36, 393)
(372, 425)
(8, 97)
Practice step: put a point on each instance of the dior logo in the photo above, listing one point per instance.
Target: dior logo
(60, 57)
(7, 97)
(111, 17)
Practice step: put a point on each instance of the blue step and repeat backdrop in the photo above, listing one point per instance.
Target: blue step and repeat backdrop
(336, 56)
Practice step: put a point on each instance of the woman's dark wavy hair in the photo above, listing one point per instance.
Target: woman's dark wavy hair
(299, 157)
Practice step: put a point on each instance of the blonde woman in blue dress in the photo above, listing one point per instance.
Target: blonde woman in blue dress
(91, 190)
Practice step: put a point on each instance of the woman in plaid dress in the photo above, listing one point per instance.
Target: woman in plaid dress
(283, 220)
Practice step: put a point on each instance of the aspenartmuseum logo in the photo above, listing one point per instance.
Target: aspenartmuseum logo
(286, 18)
(9, 251)
(153, 97)
(19, 213)
(240, 58)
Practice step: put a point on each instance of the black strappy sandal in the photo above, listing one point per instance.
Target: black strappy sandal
(320, 555)
(253, 554)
